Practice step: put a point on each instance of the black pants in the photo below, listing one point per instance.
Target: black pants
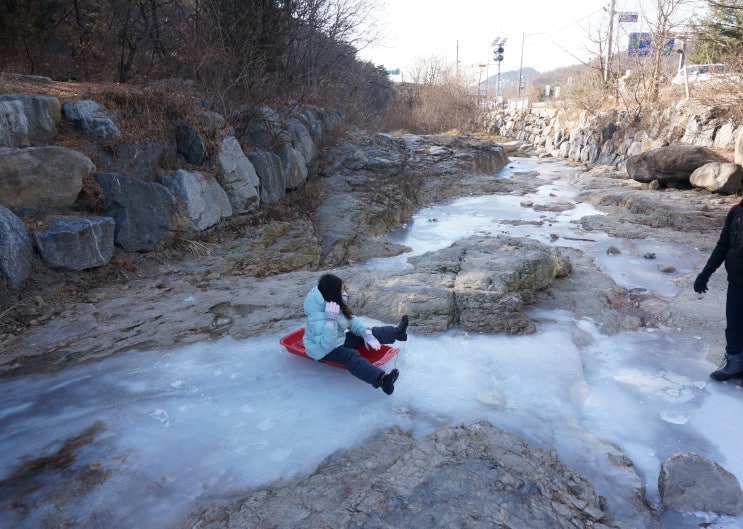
(356, 364)
(734, 320)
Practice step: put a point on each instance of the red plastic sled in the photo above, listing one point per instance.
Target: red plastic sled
(293, 344)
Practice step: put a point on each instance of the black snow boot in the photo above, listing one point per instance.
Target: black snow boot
(733, 368)
(387, 382)
(401, 331)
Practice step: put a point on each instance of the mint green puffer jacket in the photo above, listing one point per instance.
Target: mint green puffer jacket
(319, 339)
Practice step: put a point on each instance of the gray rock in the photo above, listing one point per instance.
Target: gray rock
(634, 148)
(607, 133)
(43, 114)
(16, 252)
(718, 177)
(739, 147)
(590, 153)
(484, 159)
(689, 483)
(338, 220)
(213, 122)
(271, 175)
(190, 144)
(77, 243)
(238, 177)
(672, 164)
(301, 139)
(699, 131)
(483, 283)
(142, 210)
(139, 159)
(378, 158)
(312, 119)
(475, 476)
(725, 137)
(13, 125)
(205, 201)
(294, 166)
(92, 119)
(42, 176)
(264, 126)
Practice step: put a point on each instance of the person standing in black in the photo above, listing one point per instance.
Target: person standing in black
(729, 249)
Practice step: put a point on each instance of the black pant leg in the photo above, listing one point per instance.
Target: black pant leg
(734, 320)
(385, 334)
(356, 364)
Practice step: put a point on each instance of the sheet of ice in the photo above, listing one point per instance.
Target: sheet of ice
(213, 417)
(645, 265)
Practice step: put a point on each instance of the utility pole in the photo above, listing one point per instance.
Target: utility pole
(457, 60)
(607, 66)
(521, 63)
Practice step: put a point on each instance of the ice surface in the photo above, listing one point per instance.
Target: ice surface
(213, 417)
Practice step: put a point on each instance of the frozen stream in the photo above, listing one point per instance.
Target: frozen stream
(213, 417)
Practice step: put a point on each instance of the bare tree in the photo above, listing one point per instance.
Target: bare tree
(663, 24)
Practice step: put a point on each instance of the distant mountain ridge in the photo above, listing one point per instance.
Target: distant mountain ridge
(552, 77)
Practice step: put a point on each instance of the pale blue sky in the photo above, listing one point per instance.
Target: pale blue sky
(558, 33)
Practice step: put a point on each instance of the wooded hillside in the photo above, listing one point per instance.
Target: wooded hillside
(245, 50)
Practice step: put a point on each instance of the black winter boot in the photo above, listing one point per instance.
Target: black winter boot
(733, 368)
(401, 333)
(387, 382)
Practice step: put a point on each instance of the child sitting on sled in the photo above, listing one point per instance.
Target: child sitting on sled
(325, 336)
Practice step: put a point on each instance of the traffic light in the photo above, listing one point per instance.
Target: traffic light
(498, 48)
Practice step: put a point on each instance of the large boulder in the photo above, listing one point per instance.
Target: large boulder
(238, 177)
(92, 120)
(670, 165)
(205, 201)
(718, 177)
(492, 280)
(77, 243)
(16, 252)
(43, 114)
(739, 147)
(143, 211)
(42, 176)
(271, 175)
(13, 125)
(478, 284)
(690, 483)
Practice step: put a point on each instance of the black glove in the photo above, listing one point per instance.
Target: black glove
(700, 283)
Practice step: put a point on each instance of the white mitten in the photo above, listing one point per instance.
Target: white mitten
(370, 341)
(331, 313)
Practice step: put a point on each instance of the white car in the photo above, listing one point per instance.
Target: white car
(699, 72)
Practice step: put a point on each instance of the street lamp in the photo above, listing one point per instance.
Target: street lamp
(521, 64)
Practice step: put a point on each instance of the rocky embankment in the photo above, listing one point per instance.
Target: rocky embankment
(612, 136)
(245, 276)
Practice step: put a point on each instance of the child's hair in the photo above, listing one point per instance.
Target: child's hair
(331, 288)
